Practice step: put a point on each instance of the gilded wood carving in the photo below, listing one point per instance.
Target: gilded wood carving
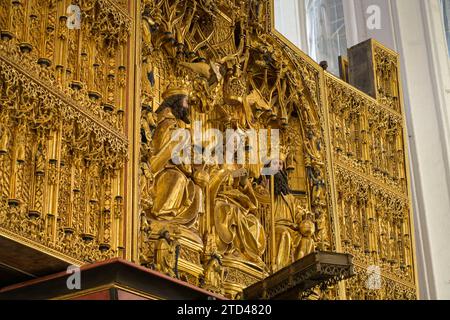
(86, 164)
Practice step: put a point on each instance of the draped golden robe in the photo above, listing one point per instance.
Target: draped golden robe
(239, 232)
(176, 198)
(286, 229)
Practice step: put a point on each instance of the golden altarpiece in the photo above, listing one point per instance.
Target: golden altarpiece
(85, 168)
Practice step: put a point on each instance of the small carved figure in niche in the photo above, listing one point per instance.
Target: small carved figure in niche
(147, 82)
(392, 246)
(214, 273)
(317, 184)
(148, 125)
(149, 26)
(212, 262)
(291, 160)
(4, 140)
(313, 148)
(384, 240)
(146, 183)
(78, 169)
(145, 225)
(339, 137)
(32, 227)
(258, 13)
(165, 254)
(40, 161)
(407, 255)
(356, 227)
(323, 241)
(306, 244)
(20, 148)
(145, 231)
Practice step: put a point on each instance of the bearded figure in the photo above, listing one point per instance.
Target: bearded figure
(240, 234)
(288, 215)
(176, 198)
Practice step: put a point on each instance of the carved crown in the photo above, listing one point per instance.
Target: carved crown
(176, 87)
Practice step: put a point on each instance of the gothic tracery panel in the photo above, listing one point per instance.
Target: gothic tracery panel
(87, 170)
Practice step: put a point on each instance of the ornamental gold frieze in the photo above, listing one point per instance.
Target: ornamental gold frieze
(374, 225)
(387, 80)
(377, 287)
(34, 86)
(83, 54)
(366, 136)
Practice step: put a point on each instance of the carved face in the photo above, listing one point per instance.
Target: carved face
(179, 106)
(184, 102)
(166, 235)
(281, 184)
(277, 165)
(307, 228)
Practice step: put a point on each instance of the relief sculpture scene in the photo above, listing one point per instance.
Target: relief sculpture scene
(210, 67)
(191, 138)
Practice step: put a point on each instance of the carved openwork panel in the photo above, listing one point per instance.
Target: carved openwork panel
(92, 92)
(62, 109)
(369, 156)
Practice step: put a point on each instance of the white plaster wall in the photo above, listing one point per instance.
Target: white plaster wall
(356, 16)
(428, 124)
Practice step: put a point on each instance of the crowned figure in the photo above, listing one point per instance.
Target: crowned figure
(176, 197)
(288, 214)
